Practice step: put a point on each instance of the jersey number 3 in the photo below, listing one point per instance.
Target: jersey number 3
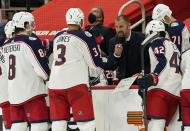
(61, 55)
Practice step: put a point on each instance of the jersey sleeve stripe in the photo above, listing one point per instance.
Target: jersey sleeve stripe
(162, 62)
(86, 45)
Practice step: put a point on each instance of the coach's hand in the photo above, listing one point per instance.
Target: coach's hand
(148, 80)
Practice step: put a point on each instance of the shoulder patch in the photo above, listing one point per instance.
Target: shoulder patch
(32, 38)
(88, 34)
(174, 24)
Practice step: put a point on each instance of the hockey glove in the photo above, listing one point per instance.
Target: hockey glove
(94, 80)
(148, 80)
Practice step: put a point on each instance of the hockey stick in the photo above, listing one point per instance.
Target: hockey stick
(143, 45)
(94, 80)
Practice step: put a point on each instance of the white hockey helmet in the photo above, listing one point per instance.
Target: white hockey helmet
(160, 11)
(21, 17)
(9, 29)
(154, 26)
(75, 16)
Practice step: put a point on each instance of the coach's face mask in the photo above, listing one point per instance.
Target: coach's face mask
(91, 18)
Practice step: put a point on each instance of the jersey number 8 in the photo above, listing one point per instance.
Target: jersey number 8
(12, 68)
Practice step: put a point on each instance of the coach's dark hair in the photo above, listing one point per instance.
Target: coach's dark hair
(124, 17)
(101, 14)
(17, 30)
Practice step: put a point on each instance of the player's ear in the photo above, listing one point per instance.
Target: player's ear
(129, 26)
(167, 19)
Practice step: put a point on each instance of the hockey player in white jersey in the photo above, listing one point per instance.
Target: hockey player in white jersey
(179, 34)
(74, 51)
(164, 81)
(176, 30)
(185, 92)
(27, 68)
(4, 102)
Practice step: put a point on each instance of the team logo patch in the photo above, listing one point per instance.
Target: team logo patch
(174, 24)
(88, 34)
(159, 10)
(80, 113)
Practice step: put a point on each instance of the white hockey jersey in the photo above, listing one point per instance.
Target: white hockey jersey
(27, 68)
(178, 33)
(185, 69)
(74, 52)
(3, 80)
(164, 59)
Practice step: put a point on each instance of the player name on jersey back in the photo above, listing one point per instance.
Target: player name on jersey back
(11, 48)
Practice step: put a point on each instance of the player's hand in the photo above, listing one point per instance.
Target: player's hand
(118, 49)
(138, 75)
(148, 80)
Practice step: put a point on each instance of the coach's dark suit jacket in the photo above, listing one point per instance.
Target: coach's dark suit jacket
(130, 61)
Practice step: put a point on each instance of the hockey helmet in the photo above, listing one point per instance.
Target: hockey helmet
(75, 16)
(154, 26)
(160, 11)
(21, 17)
(9, 29)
